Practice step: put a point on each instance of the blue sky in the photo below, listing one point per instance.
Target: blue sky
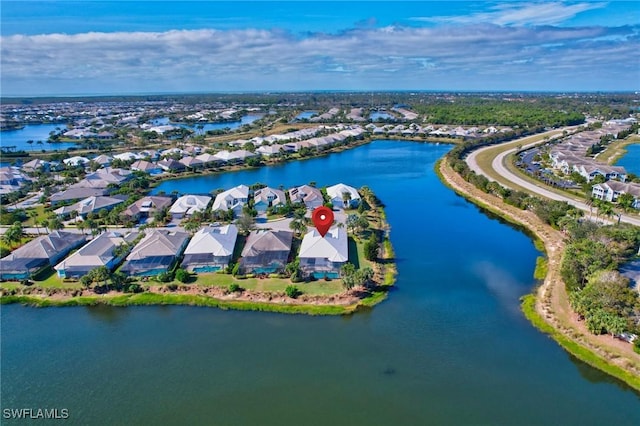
(119, 47)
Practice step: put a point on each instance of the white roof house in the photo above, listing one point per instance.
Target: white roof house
(336, 192)
(75, 161)
(328, 253)
(210, 248)
(268, 197)
(218, 240)
(189, 204)
(98, 252)
(232, 199)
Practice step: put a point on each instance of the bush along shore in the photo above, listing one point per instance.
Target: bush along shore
(578, 266)
(357, 288)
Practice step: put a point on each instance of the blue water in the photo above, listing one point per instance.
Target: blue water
(246, 119)
(34, 132)
(203, 269)
(377, 115)
(450, 345)
(631, 160)
(305, 114)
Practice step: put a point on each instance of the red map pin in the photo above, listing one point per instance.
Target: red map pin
(323, 219)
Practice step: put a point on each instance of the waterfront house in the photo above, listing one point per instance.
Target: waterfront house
(46, 250)
(146, 207)
(171, 165)
(191, 162)
(101, 251)
(155, 253)
(321, 256)
(270, 150)
(209, 160)
(268, 197)
(232, 199)
(210, 249)
(311, 197)
(342, 195)
(146, 167)
(266, 251)
(187, 205)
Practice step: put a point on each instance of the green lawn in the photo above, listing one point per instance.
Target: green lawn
(47, 278)
(319, 287)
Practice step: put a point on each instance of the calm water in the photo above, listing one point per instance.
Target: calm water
(449, 346)
(34, 132)
(377, 115)
(246, 119)
(631, 160)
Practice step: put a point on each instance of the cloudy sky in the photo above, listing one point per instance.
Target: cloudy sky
(120, 47)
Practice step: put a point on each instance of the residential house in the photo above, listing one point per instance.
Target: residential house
(321, 256)
(268, 197)
(187, 205)
(232, 199)
(103, 160)
(90, 205)
(73, 194)
(266, 251)
(310, 196)
(11, 180)
(26, 261)
(102, 178)
(612, 190)
(76, 161)
(191, 162)
(210, 249)
(127, 156)
(35, 165)
(270, 150)
(342, 195)
(146, 167)
(209, 160)
(170, 165)
(146, 207)
(155, 253)
(589, 172)
(101, 251)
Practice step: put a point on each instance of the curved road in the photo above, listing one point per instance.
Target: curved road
(499, 168)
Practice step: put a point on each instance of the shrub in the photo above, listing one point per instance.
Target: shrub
(164, 277)
(233, 288)
(172, 286)
(182, 275)
(292, 291)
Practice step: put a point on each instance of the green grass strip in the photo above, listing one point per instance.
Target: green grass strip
(528, 307)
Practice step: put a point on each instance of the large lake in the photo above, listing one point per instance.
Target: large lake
(449, 346)
(36, 132)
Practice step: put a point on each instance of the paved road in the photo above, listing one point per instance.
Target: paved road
(498, 166)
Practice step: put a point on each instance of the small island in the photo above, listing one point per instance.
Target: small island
(249, 248)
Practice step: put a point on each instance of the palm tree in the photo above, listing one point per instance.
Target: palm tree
(298, 226)
(34, 215)
(346, 197)
(30, 142)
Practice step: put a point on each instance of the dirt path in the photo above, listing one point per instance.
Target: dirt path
(551, 299)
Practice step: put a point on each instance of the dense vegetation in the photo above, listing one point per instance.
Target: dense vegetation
(529, 112)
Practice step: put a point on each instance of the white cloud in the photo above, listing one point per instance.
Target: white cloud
(479, 56)
(520, 14)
